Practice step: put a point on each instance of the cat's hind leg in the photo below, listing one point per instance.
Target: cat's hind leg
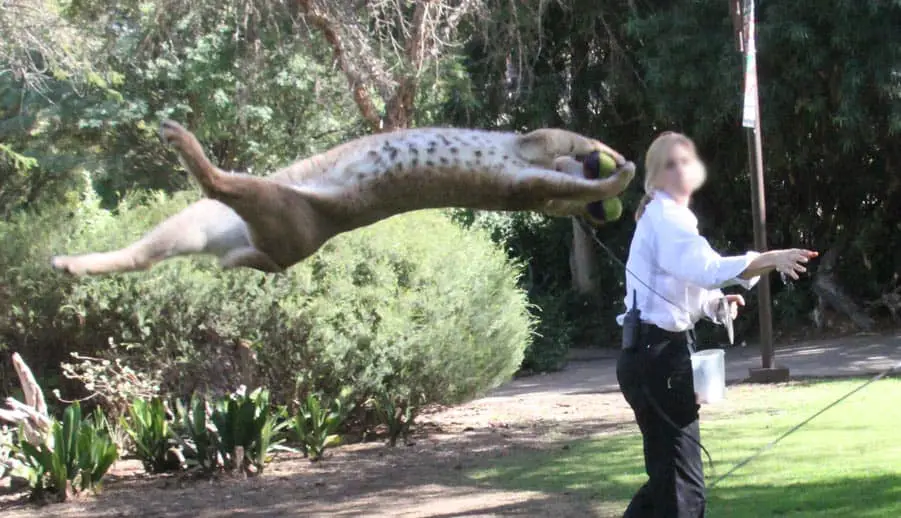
(284, 222)
(206, 226)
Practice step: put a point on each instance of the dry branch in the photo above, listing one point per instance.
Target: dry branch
(31, 415)
(36, 42)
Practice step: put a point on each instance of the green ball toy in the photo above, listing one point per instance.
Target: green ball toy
(606, 165)
(602, 165)
(613, 209)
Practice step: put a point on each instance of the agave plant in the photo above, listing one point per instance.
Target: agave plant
(148, 427)
(197, 433)
(79, 457)
(246, 421)
(396, 414)
(316, 424)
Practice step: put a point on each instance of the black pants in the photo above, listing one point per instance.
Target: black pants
(660, 368)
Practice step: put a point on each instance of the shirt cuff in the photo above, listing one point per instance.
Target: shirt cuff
(732, 268)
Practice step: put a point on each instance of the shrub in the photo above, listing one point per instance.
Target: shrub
(148, 426)
(414, 305)
(548, 351)
(80, 456)
(565, 317)
(315, 426)
(396, 412)
(244, 423)
(196, 434)
(543, 242)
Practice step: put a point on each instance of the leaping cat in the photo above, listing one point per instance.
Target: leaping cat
(271, 223)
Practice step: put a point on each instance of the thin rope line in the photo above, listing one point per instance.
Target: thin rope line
(798, 426)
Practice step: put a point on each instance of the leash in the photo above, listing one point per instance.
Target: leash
(747, 460)
(800, 425)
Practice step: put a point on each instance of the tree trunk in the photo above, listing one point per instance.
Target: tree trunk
(582, 258)
(583, 261)
(831, 294)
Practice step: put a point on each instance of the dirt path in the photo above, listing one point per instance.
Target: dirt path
(429, 477)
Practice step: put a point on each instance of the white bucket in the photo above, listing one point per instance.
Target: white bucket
(709, 372)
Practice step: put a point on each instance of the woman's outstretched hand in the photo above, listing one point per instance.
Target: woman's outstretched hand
(788, 262)
(791, 262)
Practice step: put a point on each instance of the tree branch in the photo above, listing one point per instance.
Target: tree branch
(325, 25)
(399, 110)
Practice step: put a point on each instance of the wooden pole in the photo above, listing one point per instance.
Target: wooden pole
(758, 208)
(744, 12)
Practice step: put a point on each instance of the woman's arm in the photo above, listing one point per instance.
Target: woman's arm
(685, 254)
(790, 262)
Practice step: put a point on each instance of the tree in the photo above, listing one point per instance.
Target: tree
(39, 43)
(384, 48)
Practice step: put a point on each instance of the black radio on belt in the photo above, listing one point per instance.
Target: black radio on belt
(632, 324)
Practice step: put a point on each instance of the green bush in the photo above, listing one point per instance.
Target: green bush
(543, 242)
(148, 427)
(81, 455)
(549, 349)
(565, 317)
(245, 421)
(414, 305)
(396, 413)
(316, 424)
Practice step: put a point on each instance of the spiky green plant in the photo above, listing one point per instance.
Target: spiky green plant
(80, 455)
(247, 421)
(317, 422)
(148, 427)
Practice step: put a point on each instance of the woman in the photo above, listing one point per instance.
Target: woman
(682, 276)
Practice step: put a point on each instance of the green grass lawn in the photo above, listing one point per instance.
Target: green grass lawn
(845, 463)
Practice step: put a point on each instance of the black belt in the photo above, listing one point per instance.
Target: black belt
(651, 333)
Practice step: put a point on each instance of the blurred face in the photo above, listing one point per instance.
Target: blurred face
(683, 172)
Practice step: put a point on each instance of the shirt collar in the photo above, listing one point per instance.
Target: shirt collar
(669, 204)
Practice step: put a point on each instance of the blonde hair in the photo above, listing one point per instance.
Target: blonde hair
(655, 162)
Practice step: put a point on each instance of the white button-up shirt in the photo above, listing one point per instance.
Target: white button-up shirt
(671, 257)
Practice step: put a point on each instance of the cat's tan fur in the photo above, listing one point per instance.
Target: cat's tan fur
(272, 223)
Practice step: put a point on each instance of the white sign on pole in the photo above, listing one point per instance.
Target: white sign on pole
(749, 113)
